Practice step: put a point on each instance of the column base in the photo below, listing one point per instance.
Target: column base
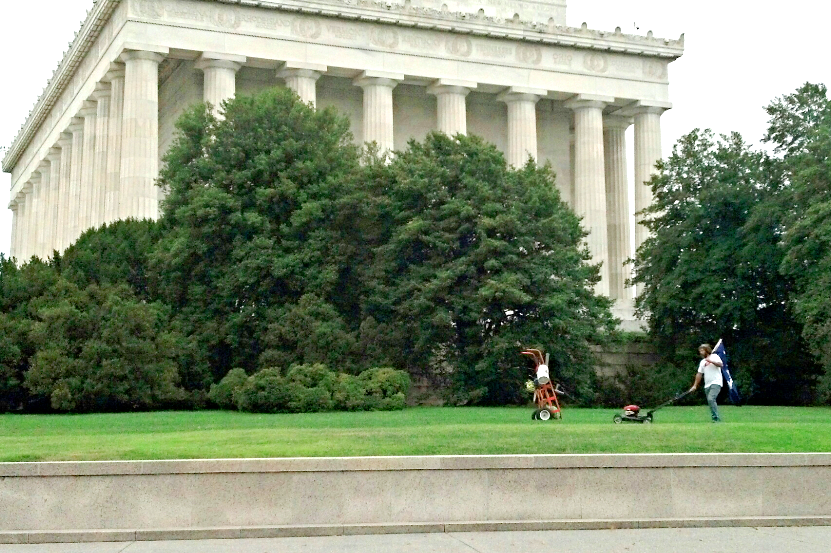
(625, 311)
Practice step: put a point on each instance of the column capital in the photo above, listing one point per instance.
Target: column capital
(102, 90)
(209, 60)
(616, 122)
(302, 72)
(133, 51)
(378, 78)
(451, 86)
(301, 69)
(584, 101)
(44, 165)
(76, 124)
(13, 205)
(641, 107)
(116, 71)
(521, 94)
(88, 109)
(65, 139)
(54, 154)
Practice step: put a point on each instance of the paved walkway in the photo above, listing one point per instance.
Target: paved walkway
(813, 539)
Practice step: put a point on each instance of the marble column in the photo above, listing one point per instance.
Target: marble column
(522, 123)
(617, 204)
(647, 154)
(378, 113)
(62, 239)
(140, 135)
(590, 179)
(220, 77)
(74, 218)
(41, 216)
(452, 105)
(86, 202)
(15, 223)
(54, 157)
(101, 97)
(302, 79)
(23, 226)
(32, 220)
(112, 186)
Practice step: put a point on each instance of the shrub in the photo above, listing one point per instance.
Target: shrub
(349, 394)
(100, 349)
(224, 393)
(264, 392)
(385, 388)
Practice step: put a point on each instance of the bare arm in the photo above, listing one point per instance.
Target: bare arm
(697, 382)
(715, 360)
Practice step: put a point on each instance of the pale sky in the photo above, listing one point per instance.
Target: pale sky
(739, 56)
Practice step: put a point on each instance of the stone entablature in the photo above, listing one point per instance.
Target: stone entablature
(89, 152)
(424, 17)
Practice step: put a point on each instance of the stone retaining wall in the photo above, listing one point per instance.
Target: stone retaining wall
(124, 501)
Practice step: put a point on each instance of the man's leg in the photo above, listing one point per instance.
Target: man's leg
(712, 394)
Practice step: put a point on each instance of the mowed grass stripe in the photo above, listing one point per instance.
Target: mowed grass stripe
(418, 431)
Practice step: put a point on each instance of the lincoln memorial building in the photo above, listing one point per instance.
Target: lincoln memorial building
(510, 71)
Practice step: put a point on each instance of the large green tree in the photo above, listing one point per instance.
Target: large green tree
(710, 269)
(251, 223)
(800, 129)
(474, 260)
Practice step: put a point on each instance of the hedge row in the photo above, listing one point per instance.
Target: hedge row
(311, 388)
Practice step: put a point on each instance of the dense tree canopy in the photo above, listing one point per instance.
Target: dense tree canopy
(710, 269)
(475, 259)
(279, 247)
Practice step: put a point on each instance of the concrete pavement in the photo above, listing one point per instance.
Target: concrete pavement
(811, 539)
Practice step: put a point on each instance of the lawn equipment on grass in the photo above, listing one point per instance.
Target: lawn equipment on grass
(545, 393)
(631, 413)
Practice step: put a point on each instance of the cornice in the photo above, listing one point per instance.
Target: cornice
(96, 18)
(403, 15)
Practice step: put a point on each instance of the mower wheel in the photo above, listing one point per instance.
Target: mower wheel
(535, 415)
(618, 419)
(647, 420)
(545, 414)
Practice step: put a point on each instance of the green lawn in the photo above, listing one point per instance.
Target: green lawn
(418, 431)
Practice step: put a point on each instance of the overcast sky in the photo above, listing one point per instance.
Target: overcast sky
(739, 55)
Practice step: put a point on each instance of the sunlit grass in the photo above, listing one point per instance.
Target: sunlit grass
(418, 431)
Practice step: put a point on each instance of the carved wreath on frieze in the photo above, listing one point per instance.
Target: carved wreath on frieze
(227, 18)
(307, 28)
(596, 62)
(151, 8)
(459, 46)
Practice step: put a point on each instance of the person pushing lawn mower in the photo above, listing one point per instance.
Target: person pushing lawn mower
(709, 369)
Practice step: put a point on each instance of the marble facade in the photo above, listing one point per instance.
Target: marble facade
(508, 70)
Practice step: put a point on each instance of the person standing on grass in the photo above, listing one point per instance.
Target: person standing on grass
(710, 369)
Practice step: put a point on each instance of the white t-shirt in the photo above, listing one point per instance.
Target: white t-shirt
(711, 372)
(542, 371)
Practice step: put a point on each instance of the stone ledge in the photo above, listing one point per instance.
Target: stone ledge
(90, 536)
(413, 463)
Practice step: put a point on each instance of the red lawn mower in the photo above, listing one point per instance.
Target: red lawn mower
(632, 413)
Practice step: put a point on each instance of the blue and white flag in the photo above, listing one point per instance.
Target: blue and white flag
(725, 372)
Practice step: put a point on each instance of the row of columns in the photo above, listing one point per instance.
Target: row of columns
(103, 167)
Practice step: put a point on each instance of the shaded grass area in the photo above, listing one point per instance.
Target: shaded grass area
(417, 431)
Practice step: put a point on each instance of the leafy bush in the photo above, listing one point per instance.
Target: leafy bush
(224, 393)
(349, 394)
(100, 349)
(385, 388)
(314, 388)
(264, 392)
